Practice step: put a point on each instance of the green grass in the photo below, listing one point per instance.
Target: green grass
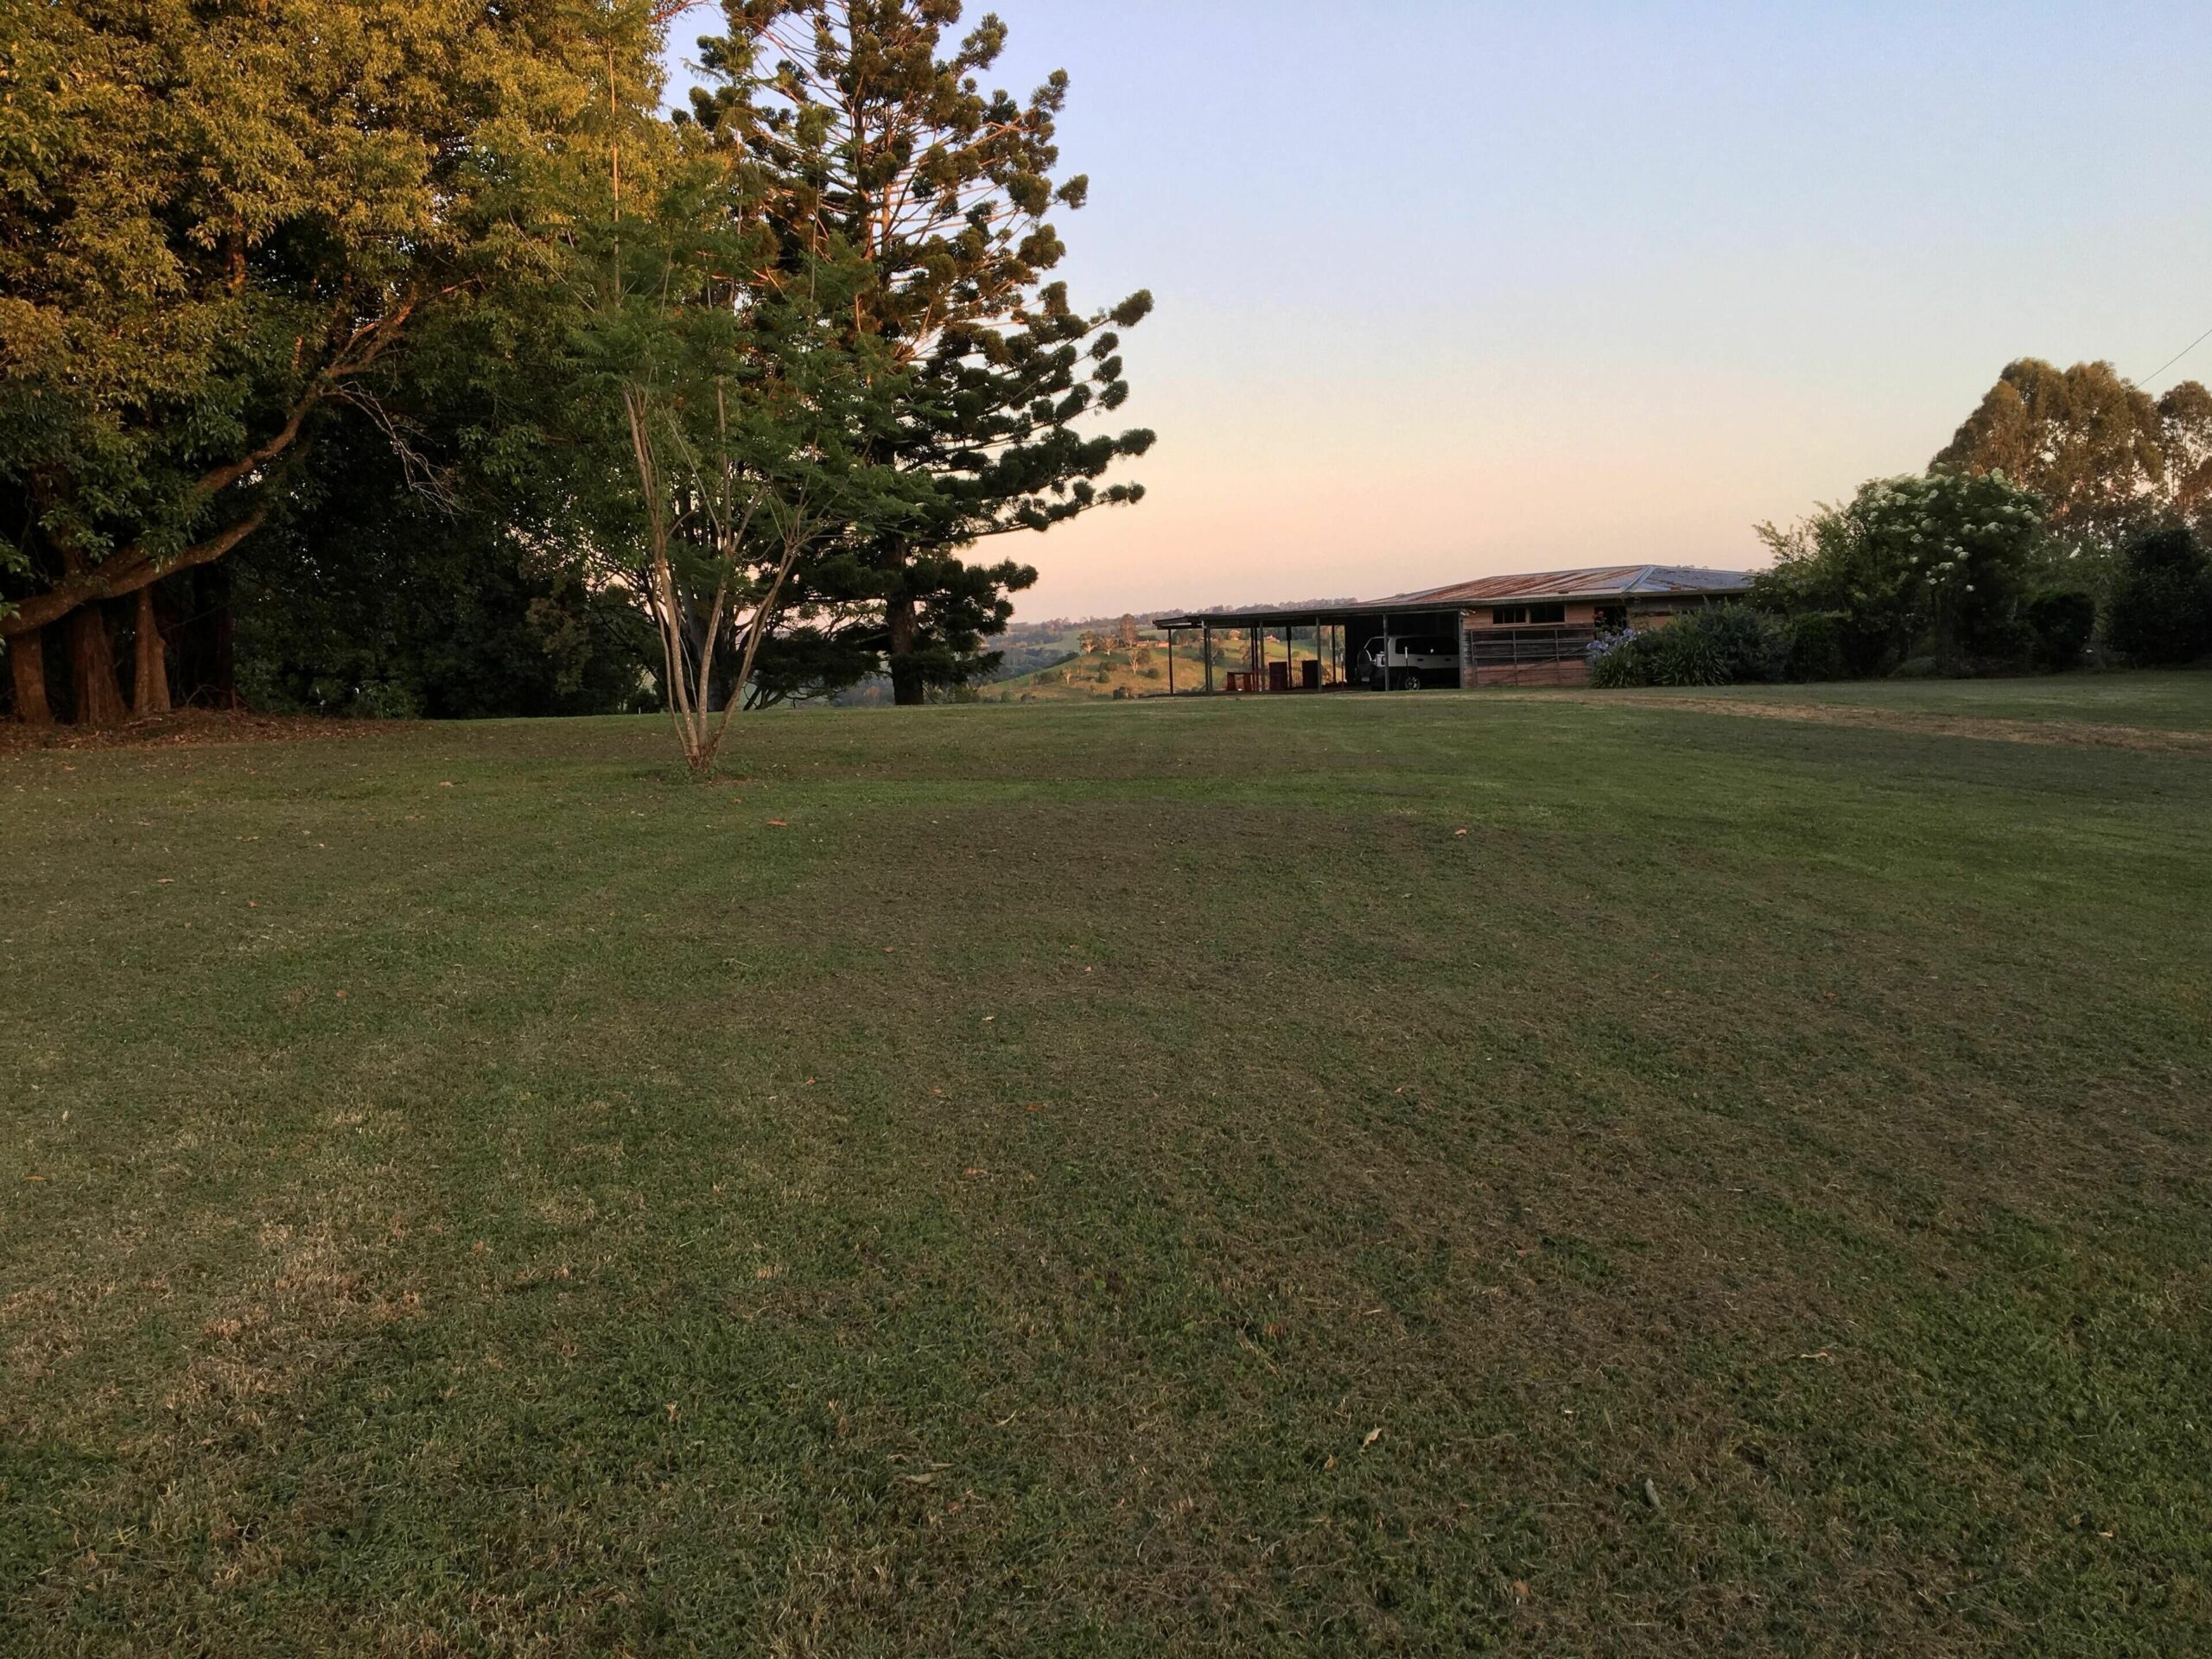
(1125, 1180)
(2170, 701)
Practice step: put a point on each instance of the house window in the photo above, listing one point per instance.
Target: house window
(1508, 616)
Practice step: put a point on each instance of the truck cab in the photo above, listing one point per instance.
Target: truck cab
(1411, 662)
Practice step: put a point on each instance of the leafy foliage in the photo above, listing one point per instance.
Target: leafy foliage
(1718, 645)
(2083, 438)
(738, 417)
(373, 598)
(215, 224)
(880, 141)
(1933, 566)
(2061, 624)
(2162, 599)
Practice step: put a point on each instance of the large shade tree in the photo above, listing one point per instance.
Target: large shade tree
(217, 223)
(874, 124)
(2104, 456)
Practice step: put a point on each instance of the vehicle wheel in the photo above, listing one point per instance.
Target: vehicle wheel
(1413, 681)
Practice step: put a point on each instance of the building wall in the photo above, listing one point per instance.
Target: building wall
(1573, 671)
(1580, 614)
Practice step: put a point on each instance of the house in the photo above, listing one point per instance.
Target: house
(1519, 630)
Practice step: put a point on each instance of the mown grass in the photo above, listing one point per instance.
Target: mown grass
(2169, 702)
(1123, 1179)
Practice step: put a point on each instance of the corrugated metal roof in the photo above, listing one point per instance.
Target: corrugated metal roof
(1606, 582)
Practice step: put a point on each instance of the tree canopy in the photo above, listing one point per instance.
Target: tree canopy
(874, 127)
(216, 223)
(239, 243)
(1935, 566)
(2104, 456)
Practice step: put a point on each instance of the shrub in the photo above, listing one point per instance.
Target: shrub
(2161, 607)
(2060, 625)
(1722, 644)
(1821, 646)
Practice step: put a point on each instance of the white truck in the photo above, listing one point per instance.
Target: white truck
(1409, 662)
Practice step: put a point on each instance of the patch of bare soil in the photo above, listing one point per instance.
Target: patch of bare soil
(187, 728)
(2065, 733)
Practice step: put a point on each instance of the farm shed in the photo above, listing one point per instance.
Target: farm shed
(1518, 630)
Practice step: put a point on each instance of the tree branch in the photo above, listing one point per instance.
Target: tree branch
(125, 573)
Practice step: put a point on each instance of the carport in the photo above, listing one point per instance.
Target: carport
(1335, 636)
(1517, 630)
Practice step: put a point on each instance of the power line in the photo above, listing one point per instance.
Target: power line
(2175, 359)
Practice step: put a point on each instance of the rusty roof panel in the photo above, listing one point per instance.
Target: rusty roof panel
(1605, 581)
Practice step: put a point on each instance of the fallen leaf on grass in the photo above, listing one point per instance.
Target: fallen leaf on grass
(1373, 1435)
(778, 824)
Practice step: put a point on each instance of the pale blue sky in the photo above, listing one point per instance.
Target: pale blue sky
(1449, 289)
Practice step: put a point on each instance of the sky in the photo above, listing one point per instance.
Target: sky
(1447, 289)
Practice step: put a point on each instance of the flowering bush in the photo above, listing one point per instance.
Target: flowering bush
(1932, 567)
(1720, 644)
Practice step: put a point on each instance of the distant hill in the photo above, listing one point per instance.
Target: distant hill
(1060, 670)
(1061, 625)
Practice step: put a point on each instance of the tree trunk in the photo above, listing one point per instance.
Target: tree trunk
(906, 687)
(150, 681)
(92, 670)
(27, 658)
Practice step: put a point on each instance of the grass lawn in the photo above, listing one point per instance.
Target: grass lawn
(2179, 702)
(1343, 1175)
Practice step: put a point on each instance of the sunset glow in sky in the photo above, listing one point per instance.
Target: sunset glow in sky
(1448, 289)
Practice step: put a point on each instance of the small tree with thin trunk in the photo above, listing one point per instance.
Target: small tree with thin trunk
(738, 407)
(731, 492)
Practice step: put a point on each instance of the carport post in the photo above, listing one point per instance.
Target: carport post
(1171, 662)
(1206, 649)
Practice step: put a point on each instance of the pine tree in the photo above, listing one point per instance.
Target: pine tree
(881, 141)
